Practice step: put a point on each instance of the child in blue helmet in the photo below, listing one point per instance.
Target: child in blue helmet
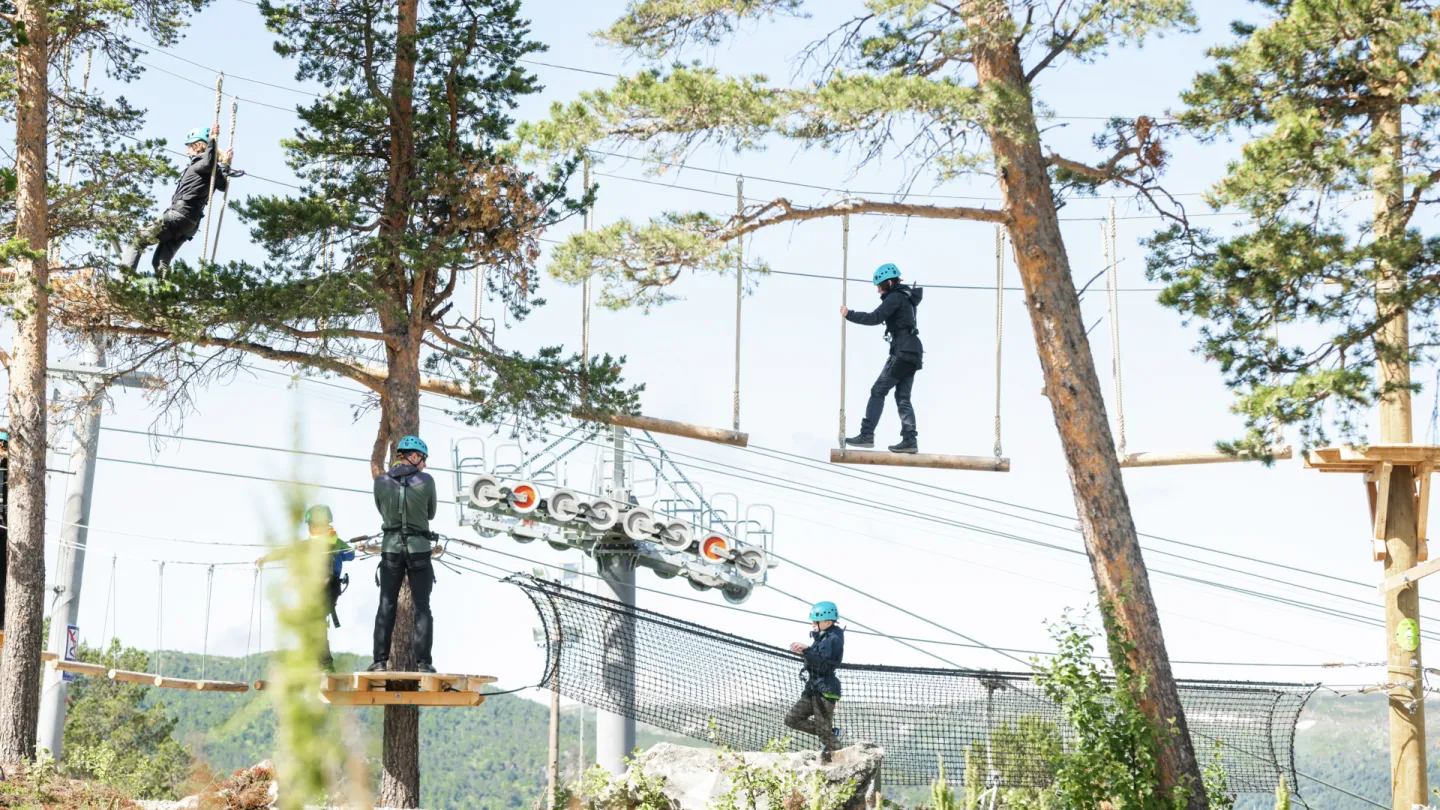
(181, 220)
(814, 712)
(897, 311)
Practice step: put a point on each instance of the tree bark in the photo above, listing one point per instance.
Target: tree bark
(400, 414)
(1074, 391)
(25, 510)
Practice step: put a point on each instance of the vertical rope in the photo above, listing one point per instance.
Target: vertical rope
(160, 620)
(999, 323)
(84, 93)
(53, 244)
(250, 625)
(739, 286)
(225, 195)
(215, 166)
(585, 302)
(110, 606)
(205, 645)
(1112, 285)
(844, 301)
(1278, 427)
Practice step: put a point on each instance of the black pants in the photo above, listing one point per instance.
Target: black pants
(393, 571)
(171, 230)
(814, 714)
(332, 597)
(900, 375)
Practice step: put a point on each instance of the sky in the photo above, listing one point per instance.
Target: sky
(969, 569)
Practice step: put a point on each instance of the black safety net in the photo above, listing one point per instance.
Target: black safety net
(717, 687)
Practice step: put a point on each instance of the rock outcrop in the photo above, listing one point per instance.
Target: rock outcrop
(693, 778)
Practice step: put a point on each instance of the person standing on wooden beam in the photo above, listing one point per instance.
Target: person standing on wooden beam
(405, 496)
(898, 302)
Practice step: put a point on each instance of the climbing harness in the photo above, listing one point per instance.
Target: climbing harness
(739, 286)
(214, 165)
(225, 195)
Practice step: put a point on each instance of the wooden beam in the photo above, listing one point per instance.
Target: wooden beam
(1422, 507)
(49, 656)
(259, 686)
(734, 438)
(1382, 498)
(931, 460)
(82, 668)
(147, 678)
(1199, 457)
(380, 698)
(1404, 578)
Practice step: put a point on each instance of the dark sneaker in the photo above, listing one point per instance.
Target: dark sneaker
(427, 668)
(861, 441)
(905, 446)
(825, 757)
(378, 666)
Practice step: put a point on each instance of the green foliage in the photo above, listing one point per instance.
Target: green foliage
(895, 82)
(1305, 83)
(115, 735)
(310, 751)
(1217, 781)
(942, 796)
(1111, 754)
(1282, 795)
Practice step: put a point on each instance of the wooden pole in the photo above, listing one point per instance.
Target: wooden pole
(879, 458)
(1402, 605)
(553, 766)
(669, 428)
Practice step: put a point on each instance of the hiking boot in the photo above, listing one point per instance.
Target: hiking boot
(378, 666)
(905, 446)
(863, 440)
(426, 668)
(826, 757)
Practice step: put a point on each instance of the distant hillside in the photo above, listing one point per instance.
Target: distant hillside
(488, 758)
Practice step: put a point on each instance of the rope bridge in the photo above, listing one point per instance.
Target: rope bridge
(709, 685)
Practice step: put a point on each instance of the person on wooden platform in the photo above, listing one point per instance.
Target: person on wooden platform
(898, 302)
(405, 496)
(814, 712)
(319, 521)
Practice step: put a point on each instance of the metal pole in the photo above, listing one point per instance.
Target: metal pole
(615, 730)
(554, 760)
(71, 555)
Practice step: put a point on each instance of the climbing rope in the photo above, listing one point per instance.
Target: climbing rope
(84, 93)
(250, 625)
(739, 286)
(205, 644)
(1112, 285)
(844, 301)
(107, 630)
(585, 303)
(225, 195)
(214, 166)
(999, 322)
(160, 621)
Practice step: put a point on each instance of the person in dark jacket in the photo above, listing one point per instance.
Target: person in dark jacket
(181, 220)
(405, 496)
(814, 712)
(319, 520)
(898, 302)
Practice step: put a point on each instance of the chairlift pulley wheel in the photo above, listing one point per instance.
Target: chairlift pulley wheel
(638, 524)
(563, 505)
(485, 492)
(602, 515)
(524, 497)
(676, 536)
(752, 562)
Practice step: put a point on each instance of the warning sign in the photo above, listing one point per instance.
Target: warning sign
(72, 648)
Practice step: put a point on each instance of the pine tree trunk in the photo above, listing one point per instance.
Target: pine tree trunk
(1074, 391)
(400, 781)
(25, 512)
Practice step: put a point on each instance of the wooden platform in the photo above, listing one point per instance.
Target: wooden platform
(1377, 463)
(930, 460)
(375, 689)
(1279, 453)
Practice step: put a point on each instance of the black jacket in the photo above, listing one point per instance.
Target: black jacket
(193, 191)
(897, 312)
(406, 499)
(825, 651)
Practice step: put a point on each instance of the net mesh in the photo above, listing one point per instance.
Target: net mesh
(710, 685)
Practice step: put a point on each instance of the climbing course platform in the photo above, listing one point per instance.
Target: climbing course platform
(1376, 463)
(378, 689)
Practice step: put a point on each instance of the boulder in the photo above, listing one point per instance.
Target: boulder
(693, 778)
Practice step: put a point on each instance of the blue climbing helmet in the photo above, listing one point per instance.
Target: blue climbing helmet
(319, 513)
(198, 135)
(885, 272)
(825, 611)
(409, 443)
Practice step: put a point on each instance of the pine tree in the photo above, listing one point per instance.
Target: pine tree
(959, 80)
(1337, 101)
(405, 201)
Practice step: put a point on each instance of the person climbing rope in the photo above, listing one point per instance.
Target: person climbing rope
(898, 302)
(405, 496)
(814, 712)
(319, 521)
(181, 220)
